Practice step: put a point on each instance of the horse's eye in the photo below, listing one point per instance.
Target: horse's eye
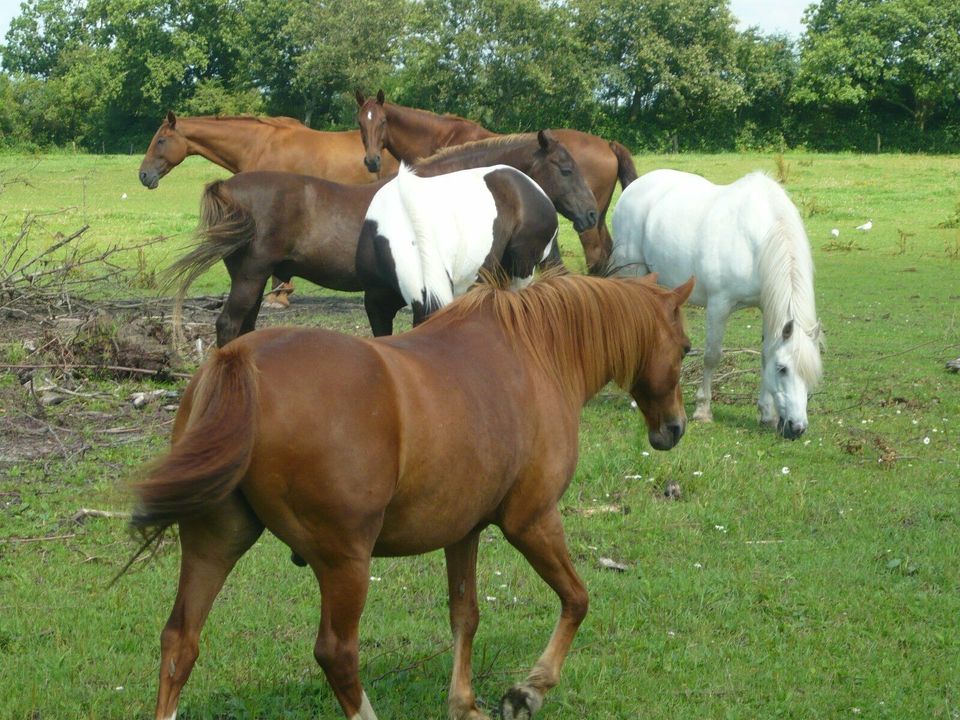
(566, 171)
(161, 141)
(781, 369)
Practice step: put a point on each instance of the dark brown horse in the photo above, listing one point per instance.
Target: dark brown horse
(264, 223)
(358, 465)
(410, 134)
(242, 144)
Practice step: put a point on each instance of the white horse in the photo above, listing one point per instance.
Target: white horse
(746, 245)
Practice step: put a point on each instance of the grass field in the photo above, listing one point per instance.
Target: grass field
(813, 579)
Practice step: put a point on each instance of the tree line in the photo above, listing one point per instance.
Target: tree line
(656, 75)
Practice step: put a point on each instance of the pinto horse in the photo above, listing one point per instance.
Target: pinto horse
(410, 134)
(360, 465)
(425, 240)
(746, 245)
(242, 144)
(263, 223)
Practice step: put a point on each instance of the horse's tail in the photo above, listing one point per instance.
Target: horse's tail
(626, 170)
(435, 288)
(225, 227)
(211, 450)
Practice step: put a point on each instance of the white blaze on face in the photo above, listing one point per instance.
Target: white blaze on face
(369, 115)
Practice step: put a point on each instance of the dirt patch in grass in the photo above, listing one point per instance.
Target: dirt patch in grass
(94, 374)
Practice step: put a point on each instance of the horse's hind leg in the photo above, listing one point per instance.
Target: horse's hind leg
(210, 546)
(464, 618)
(542, 543)
(239, 314)
(343, 589)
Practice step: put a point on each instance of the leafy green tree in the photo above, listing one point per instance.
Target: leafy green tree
(512, 65)
(341, 45)
(667, 62)
(902, 53)
(767, 66)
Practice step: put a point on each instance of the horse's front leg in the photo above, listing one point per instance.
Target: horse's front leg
(765, 403)
(717, 315)
(382, 306)
(464, 618)
(542, 542)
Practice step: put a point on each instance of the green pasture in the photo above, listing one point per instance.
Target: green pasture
(810, 579)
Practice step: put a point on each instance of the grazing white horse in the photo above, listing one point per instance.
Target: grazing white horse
(746, 245)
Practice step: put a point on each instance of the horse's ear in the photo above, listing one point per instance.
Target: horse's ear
(650, 278)
(682, 293)
(171, 118)
(545, 138)
(787, 330)
(360, 98)
(380, 97)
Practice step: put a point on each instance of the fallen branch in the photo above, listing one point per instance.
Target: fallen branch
(83, 513)
(112, 368)
(19, 540)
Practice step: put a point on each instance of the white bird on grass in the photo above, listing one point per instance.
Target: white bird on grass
(866, 226)
(835, 232)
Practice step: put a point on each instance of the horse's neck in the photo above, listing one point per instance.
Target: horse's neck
(232, 145)
(413, 134)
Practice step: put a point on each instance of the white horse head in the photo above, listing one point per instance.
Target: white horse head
(791, 370)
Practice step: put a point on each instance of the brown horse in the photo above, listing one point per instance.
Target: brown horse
(410, 444)
(409, 134)
(264, 223)
(241, 144)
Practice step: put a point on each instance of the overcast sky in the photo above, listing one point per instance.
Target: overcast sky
(769, 15)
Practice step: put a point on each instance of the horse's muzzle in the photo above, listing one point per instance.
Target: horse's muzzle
(585, 221)
(373, 164)
(667, 436)
(791, 430)
(150, 180)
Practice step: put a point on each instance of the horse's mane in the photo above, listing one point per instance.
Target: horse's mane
(279, 121)
(786, 271)
(499, 141)
(438, 116)
(573, 323)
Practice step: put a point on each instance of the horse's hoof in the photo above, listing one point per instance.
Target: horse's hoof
(701, 415)
(520, 703)
(277, 300)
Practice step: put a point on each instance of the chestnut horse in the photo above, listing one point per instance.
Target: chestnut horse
(241, 144)
(410, 134)
(410, 444)
(264, 223)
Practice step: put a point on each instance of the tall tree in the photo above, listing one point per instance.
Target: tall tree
(903, 53)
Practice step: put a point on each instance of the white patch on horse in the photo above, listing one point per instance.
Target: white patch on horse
(366, 710)
(369, 115)
(172, 717)
(440, 231)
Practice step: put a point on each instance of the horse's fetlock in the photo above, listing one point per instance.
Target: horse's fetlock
(520, 703)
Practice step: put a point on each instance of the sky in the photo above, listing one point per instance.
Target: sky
(769, 15)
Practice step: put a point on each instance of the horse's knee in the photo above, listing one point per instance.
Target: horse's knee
(179, 650)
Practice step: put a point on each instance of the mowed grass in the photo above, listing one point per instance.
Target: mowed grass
(812, 579)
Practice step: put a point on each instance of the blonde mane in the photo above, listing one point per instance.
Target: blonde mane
(483, 144)
(602, 328)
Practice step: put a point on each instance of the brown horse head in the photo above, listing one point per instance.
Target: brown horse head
(557, 173)
(656, 387)
(167, 150)
(373, 128)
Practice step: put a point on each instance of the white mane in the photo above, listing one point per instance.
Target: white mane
(786, 270)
